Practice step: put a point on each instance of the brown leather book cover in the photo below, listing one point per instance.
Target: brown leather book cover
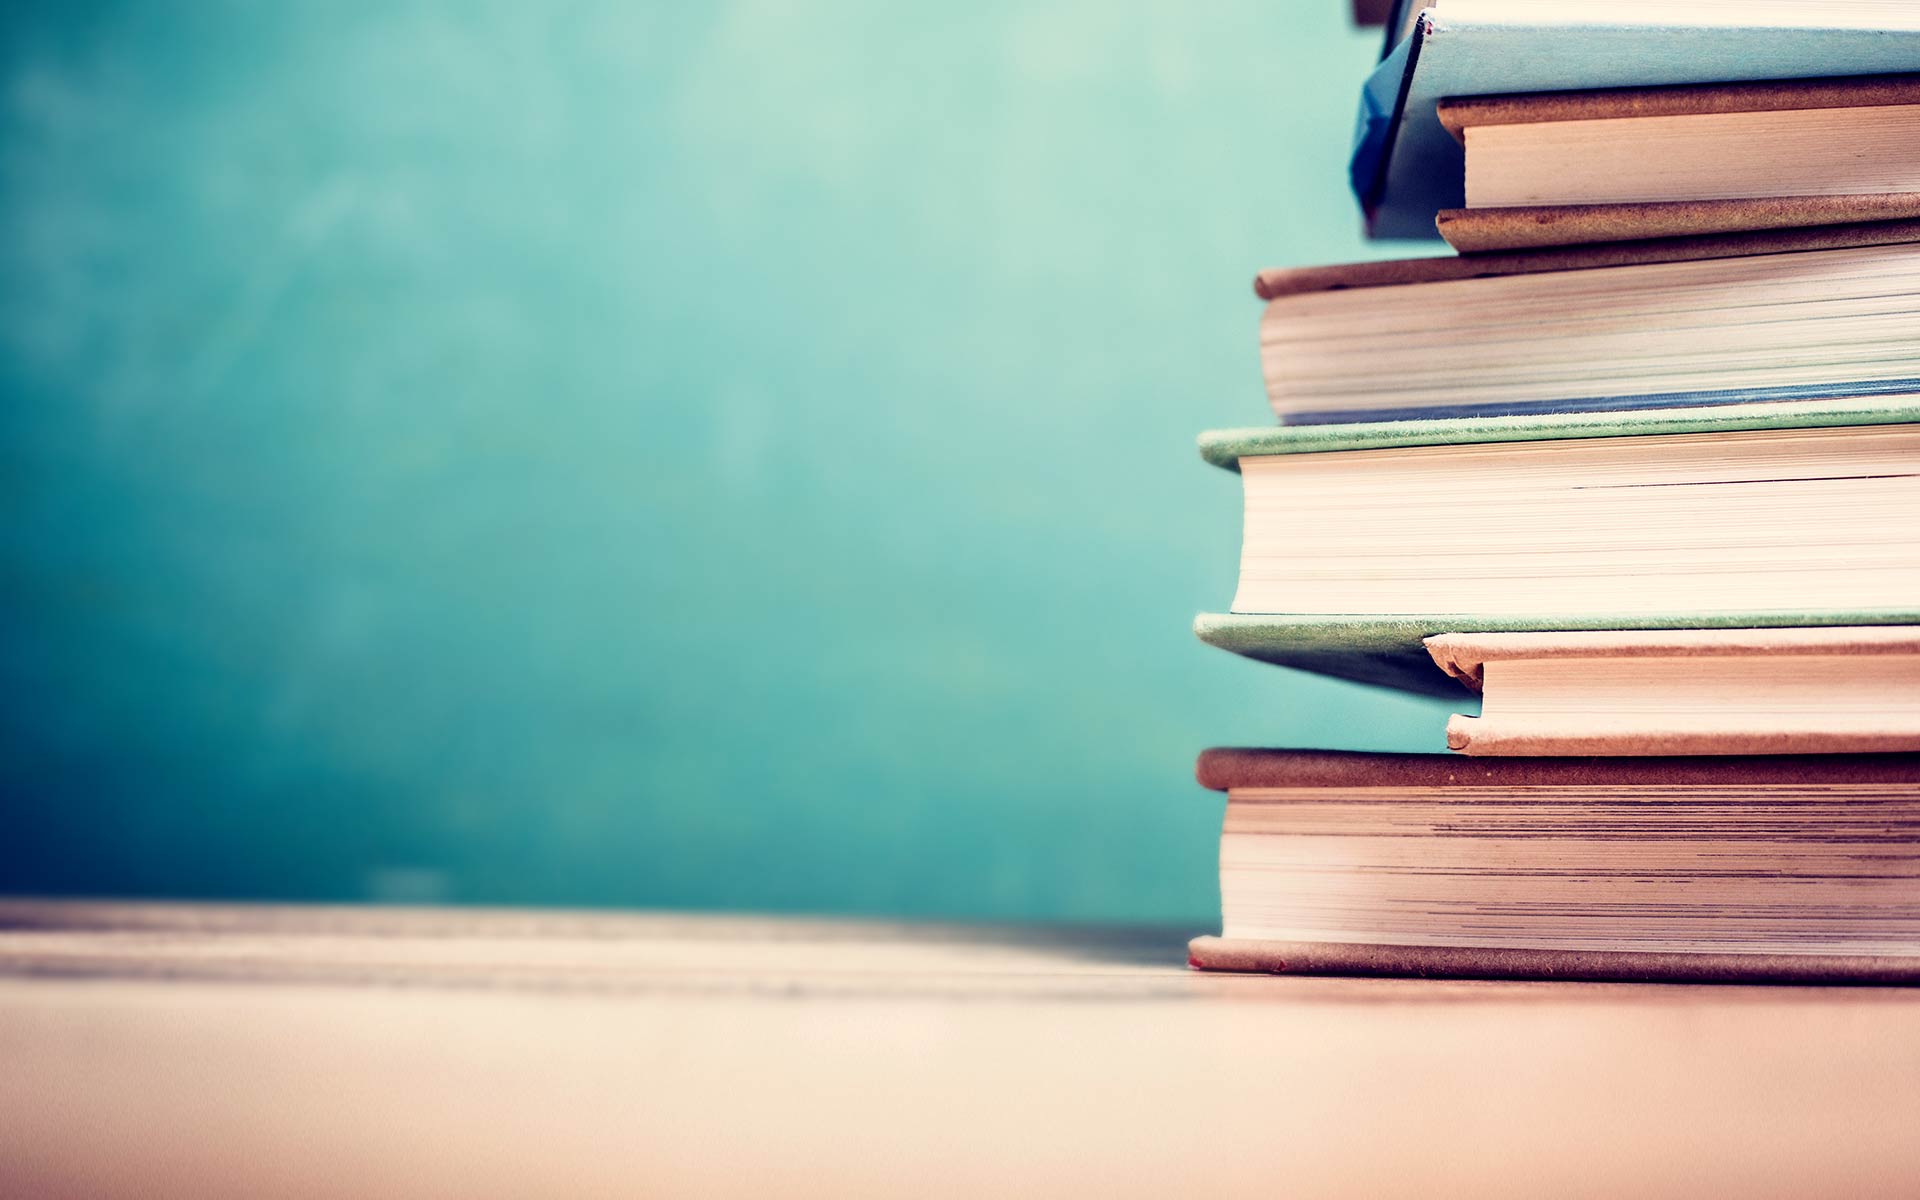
(1231, 767)
(1456, 962)
(1771, 95)
(1274, 283)
(1531, 227)
(1221, 769)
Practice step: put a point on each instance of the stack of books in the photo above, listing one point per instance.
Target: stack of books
(1640, 467)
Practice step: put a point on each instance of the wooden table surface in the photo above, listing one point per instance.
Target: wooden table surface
(157, 1050)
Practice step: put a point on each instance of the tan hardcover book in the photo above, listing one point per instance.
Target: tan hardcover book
(1776, 869)
(1828, 690)
(1635, 163)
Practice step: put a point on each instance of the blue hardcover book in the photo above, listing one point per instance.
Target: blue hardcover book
(1406, 167)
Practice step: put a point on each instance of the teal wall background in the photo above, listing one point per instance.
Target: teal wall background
(715, 455)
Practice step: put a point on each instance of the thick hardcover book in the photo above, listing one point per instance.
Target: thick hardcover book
(1800, 870)
(1833, 690)
(1735, 318)
(1627, 164)
(1506, 508)
(1406, 167)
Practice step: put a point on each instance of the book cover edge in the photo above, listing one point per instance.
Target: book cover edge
(1225, 448)
(1244, 955)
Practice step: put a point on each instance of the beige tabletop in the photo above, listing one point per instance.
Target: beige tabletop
(150, 1050)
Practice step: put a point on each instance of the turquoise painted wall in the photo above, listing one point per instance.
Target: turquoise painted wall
(713, 455)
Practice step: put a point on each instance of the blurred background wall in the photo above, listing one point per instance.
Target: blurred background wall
(713, 455)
